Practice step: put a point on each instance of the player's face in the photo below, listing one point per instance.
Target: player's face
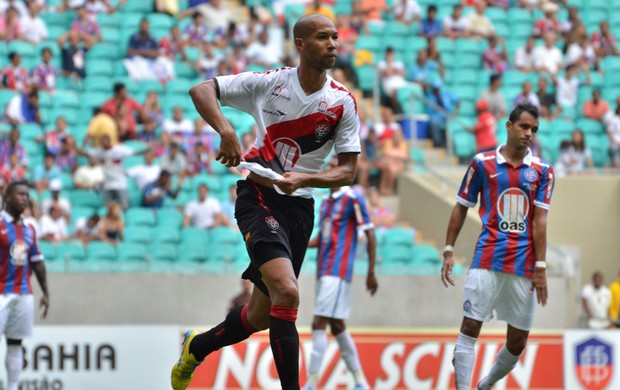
(320, 48)
(19, 199)
(521, 132)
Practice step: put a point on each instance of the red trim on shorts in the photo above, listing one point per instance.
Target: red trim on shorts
(244, 320)
(284, 313)
(260, 198)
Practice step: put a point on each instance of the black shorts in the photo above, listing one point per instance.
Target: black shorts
(273, 226)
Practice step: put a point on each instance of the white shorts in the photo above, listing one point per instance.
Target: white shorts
(509, 295)
(333, 297)
(16, 315)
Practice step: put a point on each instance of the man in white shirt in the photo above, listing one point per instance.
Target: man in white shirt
(456, 25)
(55, 187)
(479, 24)
(146, 173)
(33, 27)
(54, 226)
(406, 11)
(525, 58)
(260, 52)
(177, 126)
(567, 87)
(595, 300)
(548, 58)
(392, 72)
(612, 124)
(88, 177)
(174, 160)
(205, 213)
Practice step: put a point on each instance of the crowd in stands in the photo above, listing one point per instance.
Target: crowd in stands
(600, 303)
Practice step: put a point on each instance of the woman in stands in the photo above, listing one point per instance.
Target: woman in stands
(392, 160)
(111, 227)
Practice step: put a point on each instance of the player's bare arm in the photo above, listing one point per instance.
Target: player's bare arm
(204, 96)
(341, 175)
(539, 232)
(39, 271)
(457, 218)
(371, 280)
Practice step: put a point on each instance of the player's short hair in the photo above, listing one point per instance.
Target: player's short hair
(13, 185)
(118, 87)
(523, 107)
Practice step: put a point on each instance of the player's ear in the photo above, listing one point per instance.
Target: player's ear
(299, 43)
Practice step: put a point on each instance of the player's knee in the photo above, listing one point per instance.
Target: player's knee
(516, 345)
(470, 327)
(337, 327)
(285, 293)
(258, 317)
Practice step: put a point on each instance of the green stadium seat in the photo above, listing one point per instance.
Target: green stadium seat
(368, 42)
(223, 253)
(100, 67)
(25, 49)
(131, 252)
(366, 75)
(84, 198)
(426, 254)
(48, 249)
(70, 251)
(101, 251)
(108, 20)
(464, 144)
(397, 254)
(410, 99)
(169, 217)
(468, 46)
(160, 252)
(590, 126)
(179, 87)
(183, 70)
(104, 50)
(194, 234)
(166, 234)
(394, 28)
(138, 234)
(30, 131)
(191, 251)
(138, 216)
(137, 7)
(90, 99)
(213, 182)
(160, 22)
(562, 126)
(65, 98)
(398, 237)
(293, 11)
(180, 201)
(224, 235)
(5, 96)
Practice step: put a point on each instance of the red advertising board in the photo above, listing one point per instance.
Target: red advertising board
(391, 360)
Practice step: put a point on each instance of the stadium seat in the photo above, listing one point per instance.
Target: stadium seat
(84, 198)
(101, 251)
(104, 50)
(66, 99)
(410, 98)
(222, 253)
(193, 234)
(138, 216)
(100, 67)
(368, 42)
(169, 217)
(70, 251)
(159, 252)
(128, 251)
(191, 251)
(138, 234)
(213, 182)
(590, 126)
(160, 22)
(223, 235)
(425, 254)
(397, 254)
(48, 249)
(399, 237)
(166, 234)
(394, 28)
(366, 75)
(464, 144)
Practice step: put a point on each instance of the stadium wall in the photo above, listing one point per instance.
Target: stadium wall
(202, 300)
(585, 212)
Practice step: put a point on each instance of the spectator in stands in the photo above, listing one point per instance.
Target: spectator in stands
(381, 216)
(153, 110)
(237, 60)
(100, 125)
(431, 26)
(495, 58)
(86, 28)
(493, 95)
(201, 134)
(216, 16)
(485, 128)
(199, 160)
(548, 58)
(247, 142)
(367, 160)
(581, 51)
(260, 52)
(372, 9)
(392, 159)
(386, 127)
(31, 216)
(595, 301)
(14, 76)
(479, 24)
(142, 54)
(525, 57)
(10, 26)
(317, 7)
(612, 126)
(44, 75)
(112, 227)
(95, 7)
(548, 109)
(574, 155)
(73, 56)
(597, 107)
(347, 37)
(392, 72)
(163, 145)
(225, 38)
(572, 21)
(170, 7)
(604, 42)
(456, 25)
(614, 307)
(32, 26)
(87, 229)
(90, 176)
(123, 109)
(55, 186)
(154, 193)
(358, 18)
(208, 62)
(12, 170)
(549, 23)
(54, 225)
(46, 172)
(147, 173)
(173, 160)
(530, 4)
(568, 85)
(115, 180)
(406, 11)
(205, 213)
(527, 95)
(178, 127)
(441, 104)
(195, 33)
(51, 138)
(66, 159)
(11, 145)
(172, 46)
(23, 108)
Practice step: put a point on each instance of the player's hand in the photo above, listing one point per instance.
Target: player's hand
(446, 269)
(291, 182)
(371, 284)
(44, 303)
(230, 150)
(539, 283)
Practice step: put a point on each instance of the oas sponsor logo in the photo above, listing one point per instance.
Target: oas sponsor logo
(530, 175)
(321, 130)
(272, 222)
(19, 253)
(594, 366)
(513, 207)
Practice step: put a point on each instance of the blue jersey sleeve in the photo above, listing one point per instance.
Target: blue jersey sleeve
(362, 216)
(545, 189)
(34, 252)
(472, 184)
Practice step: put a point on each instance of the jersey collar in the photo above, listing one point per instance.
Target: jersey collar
(340, 192)
(7, 217)
(527, 160)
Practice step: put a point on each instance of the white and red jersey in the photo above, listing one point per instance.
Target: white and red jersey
(296, 132)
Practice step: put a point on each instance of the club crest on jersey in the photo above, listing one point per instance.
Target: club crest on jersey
(512, 207)
(272, 222)
(19, 253)
(595, 365)
(321, 130)
(530, 175)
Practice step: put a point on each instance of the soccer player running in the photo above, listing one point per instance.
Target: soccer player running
(301, 114)
(508, 269)
(342, 214)
(19, 256)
